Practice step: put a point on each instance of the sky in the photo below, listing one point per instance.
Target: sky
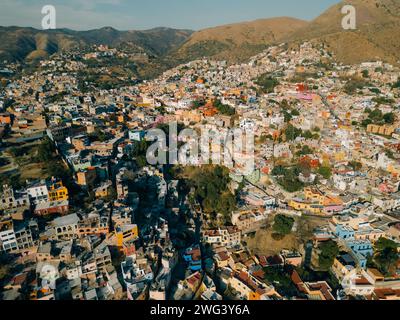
(147, 14)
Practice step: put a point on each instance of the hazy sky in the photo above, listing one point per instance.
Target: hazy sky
(138, 14)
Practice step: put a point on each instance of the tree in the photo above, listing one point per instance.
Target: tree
(287, 116)
(304, 167)
(355, 165)
(226, 205)
(366, 122)
(353, 85)
(224, 109)
(45, 150)
(308, 134)
(328, 252)
(282, 224)
(141, 161)
(389, 118)
(267, 83)
(281, 280)
(288, 178)
(386, 255)
(389, 153)
(396, 84)
(284, 104)
(295, 113)
(278, 171)
(290, 181)
(212, 190)
(292, 132)
(325, 171)
(305, 150)
(376, 115)
(99, 135)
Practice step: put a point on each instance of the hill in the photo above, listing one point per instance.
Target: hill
(236, 42)
(19, 44)
(377, 34)
(377, 37)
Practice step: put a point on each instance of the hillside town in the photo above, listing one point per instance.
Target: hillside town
(84, 216)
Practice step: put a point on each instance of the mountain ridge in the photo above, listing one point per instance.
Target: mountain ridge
(377, 37)
(20, 43)
(239, 41)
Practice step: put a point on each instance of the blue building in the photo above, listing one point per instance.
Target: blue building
(360, 251)
(344, 232)
(193, 257)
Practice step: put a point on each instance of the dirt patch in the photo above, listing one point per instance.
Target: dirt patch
(263, 243)
(32, 171)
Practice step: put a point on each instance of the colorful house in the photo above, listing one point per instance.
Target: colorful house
(193, 257)
(57, 191)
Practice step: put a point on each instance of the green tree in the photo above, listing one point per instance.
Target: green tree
(278, 171)
(305, 150)
(287, 116)
(224, 109)
(396, 84)
(328, 252)
(212, 191)
(376, 115)
(267, 83)
(292, 132)
(353, 85)
(283, 224)
(389, 118)
(46, 150)
(386, 255)
(308, 134)
(295, 113)
(325, 171)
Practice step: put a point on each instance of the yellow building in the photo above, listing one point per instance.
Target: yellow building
(394, 169)
(104, 190)
(126, 233)
(339, 268)
(301, 205)
(340, 156)
(57, 191)
(314, 195)
(385, 130)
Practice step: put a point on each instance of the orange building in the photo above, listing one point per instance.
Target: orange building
(87, 177)
(5, 118)
(314, 163)
(209, 110)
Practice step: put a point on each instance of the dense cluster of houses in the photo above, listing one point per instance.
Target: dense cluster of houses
(127, 242)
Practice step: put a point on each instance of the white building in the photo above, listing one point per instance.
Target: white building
(38, 192)
(7, 237)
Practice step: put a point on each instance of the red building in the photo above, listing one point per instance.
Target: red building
(47, 208)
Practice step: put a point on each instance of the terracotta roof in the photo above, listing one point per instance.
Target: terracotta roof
(223, 255)
(19, 279)
(296, 278)
(194, 279)
(384, 294)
